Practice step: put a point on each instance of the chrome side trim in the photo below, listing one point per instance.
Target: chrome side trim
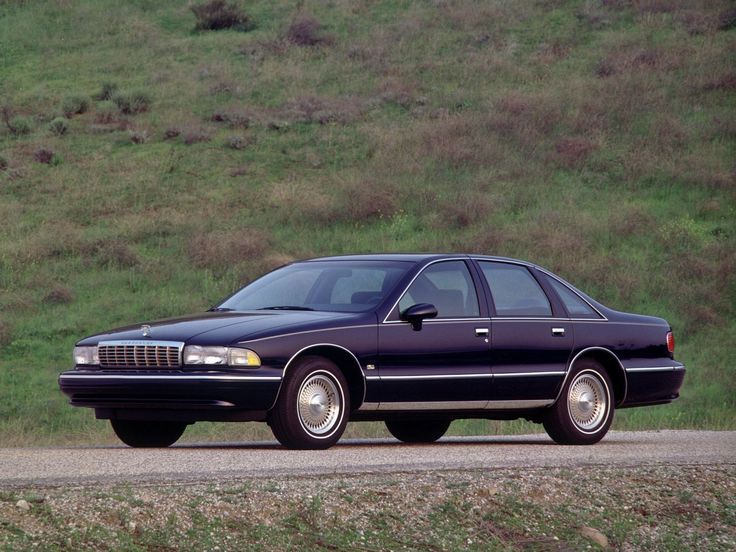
(434, 377)
(386, 320)
(312, 346)
(459, 405)
(373, 378)
(656, 369)
(572, 363)
(527, 374)
(369, 406)
(433, 405)
(502, 405)
(165, 377)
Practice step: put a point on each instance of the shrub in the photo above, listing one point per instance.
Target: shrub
(106, 112)
(3, 163)
(232, 118)
(47, 156)
(237, 142)
(107, 91)
(60, 295)
(219, 14)
(59, 126)
(195, 135)
(6, 334)
(171, 132)
(138, 136)
(74, 105)
(130, 103)
(307, 31)
(220, 250)
(727, 20)
(20, 126)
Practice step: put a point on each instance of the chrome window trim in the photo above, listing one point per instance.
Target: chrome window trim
(441, 321)
(425, 267)
(562, 282)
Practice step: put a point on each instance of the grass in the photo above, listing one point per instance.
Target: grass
(595, 139)
(652, 508)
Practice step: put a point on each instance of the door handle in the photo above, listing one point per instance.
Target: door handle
(558, 332)
(482, 332)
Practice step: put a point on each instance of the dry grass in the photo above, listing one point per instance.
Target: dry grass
(220, 250)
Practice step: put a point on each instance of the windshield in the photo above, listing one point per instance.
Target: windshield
(340, 286)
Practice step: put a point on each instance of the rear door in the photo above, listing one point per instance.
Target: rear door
(531, 337)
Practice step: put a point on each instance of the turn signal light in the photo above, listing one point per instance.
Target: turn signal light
(670, 342)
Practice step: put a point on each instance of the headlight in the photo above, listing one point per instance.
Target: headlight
(220, 356)
(86, 356)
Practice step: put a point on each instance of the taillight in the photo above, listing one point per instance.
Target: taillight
(670, 342)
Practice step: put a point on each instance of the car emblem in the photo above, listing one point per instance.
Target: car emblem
(146, 330)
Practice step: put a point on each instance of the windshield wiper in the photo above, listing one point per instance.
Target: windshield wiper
(219, 309)
(287, 307)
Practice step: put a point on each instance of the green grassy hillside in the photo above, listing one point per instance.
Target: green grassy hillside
(597, 139)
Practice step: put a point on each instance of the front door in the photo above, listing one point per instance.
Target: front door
(446, 364)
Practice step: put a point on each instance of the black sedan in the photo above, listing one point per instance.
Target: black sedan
(415, 341)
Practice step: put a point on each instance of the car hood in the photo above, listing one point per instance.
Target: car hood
(223, 328)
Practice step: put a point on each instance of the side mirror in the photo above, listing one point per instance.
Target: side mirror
(417, 313)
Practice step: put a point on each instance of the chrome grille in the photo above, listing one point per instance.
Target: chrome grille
(140, 354)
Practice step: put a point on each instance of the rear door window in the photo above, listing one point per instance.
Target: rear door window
(514, 290)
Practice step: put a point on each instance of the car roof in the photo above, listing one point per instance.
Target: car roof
(414, 257)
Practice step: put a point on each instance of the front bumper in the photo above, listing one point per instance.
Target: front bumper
(204, 395)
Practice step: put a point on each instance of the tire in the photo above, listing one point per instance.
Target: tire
(584, 411)
(139, 434)
(417, 431)
(312, 408)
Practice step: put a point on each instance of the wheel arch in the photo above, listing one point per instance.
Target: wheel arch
(610, 363)
(346, 362)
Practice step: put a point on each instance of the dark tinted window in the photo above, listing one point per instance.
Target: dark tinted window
(515, 291)
(446, 285)
(576, 307)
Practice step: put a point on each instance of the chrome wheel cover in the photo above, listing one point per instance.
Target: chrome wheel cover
(319, 404)
(587, 401)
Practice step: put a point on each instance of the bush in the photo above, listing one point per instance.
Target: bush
(237, 142)
(138, 136)
(60, 295)
(74, 105)
(130, 103)
(20, 126)
(47, 156)
(107, 91)
(171, 132)
(195, 135)
(3, 163)
(219, 14)
(59, 126)
(106, 112)
(307, 31)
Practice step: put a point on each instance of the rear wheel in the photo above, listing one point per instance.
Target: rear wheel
(313, 405)
(584, 411)
(146, 434)
(417, 431)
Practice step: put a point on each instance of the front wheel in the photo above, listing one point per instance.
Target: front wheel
(584, 411)
(313, 405)
(139, 434)
(417, 431)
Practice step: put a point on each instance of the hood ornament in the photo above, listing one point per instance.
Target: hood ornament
(146, 330)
